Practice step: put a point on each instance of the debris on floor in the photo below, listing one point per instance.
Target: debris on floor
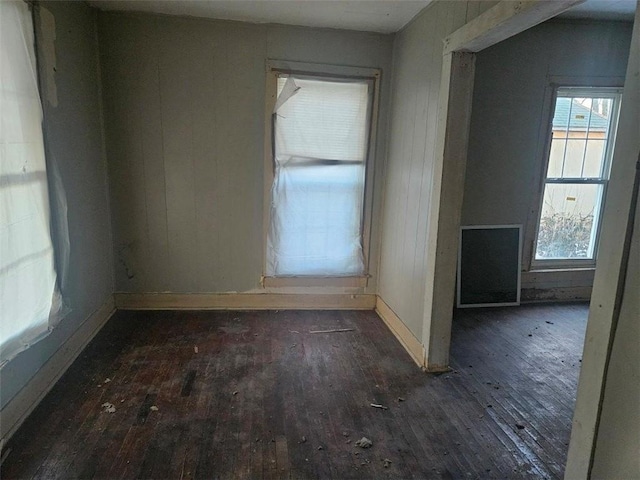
(386, 463)
(108, 407)
(377, 405)
(234, 393)
(345, 434)
(106, 380)
(519, 426)
(401, 399)
(195, 349)
(153, 408)
(364, 442)
(333, 330)
(303, 439)
(320, 447)
(547, 321)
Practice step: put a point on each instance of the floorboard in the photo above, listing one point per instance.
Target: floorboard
(201, 395)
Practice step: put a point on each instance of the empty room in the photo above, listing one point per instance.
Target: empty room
(320, 239)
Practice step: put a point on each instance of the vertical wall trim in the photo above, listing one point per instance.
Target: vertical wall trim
(457, 89)
(103, 148)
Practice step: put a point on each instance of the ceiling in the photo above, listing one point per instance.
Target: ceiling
(384, 16)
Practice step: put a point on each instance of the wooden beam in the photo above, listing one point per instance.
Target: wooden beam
(505, 20)
(455, 113)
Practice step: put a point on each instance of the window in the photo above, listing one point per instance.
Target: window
(320, 132)
(27, 275)
(579, 160)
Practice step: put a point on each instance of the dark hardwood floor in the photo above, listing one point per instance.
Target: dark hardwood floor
(255, 395)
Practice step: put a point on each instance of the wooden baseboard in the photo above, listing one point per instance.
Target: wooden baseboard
(21, 406)
(243, 301)
(407, 339)
(556, 294)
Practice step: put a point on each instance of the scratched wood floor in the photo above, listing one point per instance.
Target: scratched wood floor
(264, 398)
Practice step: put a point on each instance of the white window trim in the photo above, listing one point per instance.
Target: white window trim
(273, 69)
(587, 86)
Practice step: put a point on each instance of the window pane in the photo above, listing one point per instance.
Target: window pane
(321, 135)
(556, 154)
(594, 158)
(597, 134)
(573, 158)
(323, 120)
(317, 220)
(600, 117)
(569, 216)
(561, 117)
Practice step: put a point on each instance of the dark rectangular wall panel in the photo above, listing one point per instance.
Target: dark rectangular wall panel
(489, 265)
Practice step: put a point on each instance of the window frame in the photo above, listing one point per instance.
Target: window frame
(587, 90)
(274, 68)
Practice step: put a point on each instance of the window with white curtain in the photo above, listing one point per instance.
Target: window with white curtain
(321, 130)
(27, 274)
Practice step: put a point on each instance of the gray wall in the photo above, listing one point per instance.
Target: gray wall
(417, 66)
(184, 116)
(505, 159)
(74, 137)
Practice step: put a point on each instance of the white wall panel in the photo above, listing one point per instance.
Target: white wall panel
(417, 65)
(185, 127)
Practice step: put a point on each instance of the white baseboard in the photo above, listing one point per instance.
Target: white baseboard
(406, 338)
(243, 301)
(20, 406)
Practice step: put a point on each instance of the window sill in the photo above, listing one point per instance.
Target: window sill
(561, 268)
(359, 281)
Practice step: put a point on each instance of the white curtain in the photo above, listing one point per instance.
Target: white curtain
(27, 275)
(321, 136)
